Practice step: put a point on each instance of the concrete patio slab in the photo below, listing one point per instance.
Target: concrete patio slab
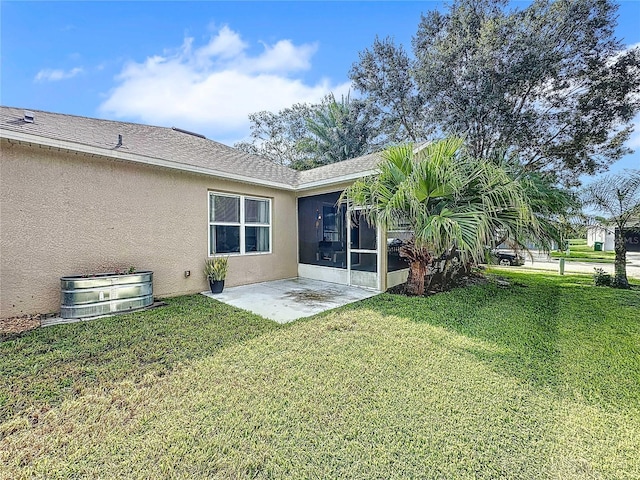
(287, 300)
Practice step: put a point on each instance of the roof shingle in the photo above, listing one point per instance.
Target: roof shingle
(175, 146)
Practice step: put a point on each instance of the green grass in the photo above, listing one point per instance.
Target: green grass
(48, 365)
(537, 380)
(578, 250)
(577, 241)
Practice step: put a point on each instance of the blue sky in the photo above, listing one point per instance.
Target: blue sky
(203, 66)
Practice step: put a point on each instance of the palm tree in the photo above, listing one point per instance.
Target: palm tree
(337, 131)
(452, 205)
(618, 197)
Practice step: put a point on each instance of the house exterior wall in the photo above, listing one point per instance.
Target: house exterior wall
(63, 213)
(597, 233)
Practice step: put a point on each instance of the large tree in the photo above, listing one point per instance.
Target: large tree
(384, 74)
(309, 135)
(548, 84)
(277, 136)
(453, 205)
(618, 198)
(337, 131)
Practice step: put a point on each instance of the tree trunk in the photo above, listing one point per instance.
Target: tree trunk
(419, 260)
(620, 279)
(415, 281)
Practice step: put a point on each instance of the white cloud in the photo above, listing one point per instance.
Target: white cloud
(227, 44)
(213, 88)
(282, 57)
(56, 74)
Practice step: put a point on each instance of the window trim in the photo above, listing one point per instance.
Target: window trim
(242, 224)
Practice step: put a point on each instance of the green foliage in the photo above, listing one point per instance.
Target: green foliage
(310, 135)
(534, 380)
(216, 268)
(601, 278)
(385, 74)
(276, 135)
(337, 131)
(449, 201)
(549, 83)
(557, 210)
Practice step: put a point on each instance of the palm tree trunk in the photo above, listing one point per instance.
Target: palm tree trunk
(620, 279)
(415, 281)
(419, 260)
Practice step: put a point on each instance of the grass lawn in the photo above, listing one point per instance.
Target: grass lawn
(578, 250)
(537, 380)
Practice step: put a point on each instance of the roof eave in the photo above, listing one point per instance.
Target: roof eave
(335, 180)
(136, 158)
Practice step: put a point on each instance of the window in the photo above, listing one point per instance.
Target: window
(239, 224)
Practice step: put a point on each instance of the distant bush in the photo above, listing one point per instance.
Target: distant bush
(601, 278)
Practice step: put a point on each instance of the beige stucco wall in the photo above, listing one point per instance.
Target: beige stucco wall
(63, 213)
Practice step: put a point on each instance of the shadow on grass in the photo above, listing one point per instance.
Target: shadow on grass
(39, 369)
(552, 332)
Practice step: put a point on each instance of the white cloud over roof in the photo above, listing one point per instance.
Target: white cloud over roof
(214, 87)
(56, 74)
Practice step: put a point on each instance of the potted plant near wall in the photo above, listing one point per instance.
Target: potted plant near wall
(215, 270)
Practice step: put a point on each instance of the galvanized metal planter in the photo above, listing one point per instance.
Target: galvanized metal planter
(105, 293)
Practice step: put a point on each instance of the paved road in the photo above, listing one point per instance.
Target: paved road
(542, 261)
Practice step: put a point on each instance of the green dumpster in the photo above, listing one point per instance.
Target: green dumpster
(597, 246)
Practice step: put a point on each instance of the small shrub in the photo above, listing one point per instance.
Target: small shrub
(601, 278)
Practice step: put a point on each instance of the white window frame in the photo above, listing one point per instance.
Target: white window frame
(242, 223)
